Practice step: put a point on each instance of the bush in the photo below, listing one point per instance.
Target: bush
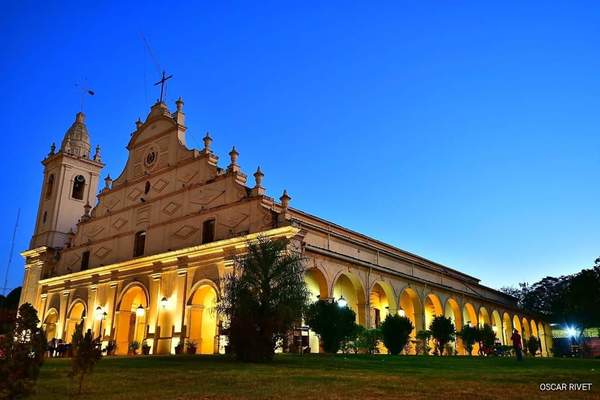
(395, 331)
(487, 339)
(86, 353)
(422, 346)
(334, 324)
(442, 330)
(367, 340)
(21, 354)
(469, 336)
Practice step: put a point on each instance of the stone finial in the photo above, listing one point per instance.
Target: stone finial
(52, 149)
(207, 142)
(258, 177)
(107, 182)
(138, 123)
(233, 155)
(285, 200)
(97, 154)
(80, 118)
(179, 104)
(86, 212)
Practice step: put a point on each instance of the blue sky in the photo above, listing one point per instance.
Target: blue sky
(467, 133)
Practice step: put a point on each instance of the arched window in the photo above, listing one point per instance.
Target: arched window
(139, 243)
(78, 187)
(49, 186)
(147, 188)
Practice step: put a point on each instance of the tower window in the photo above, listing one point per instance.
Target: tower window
(44, 217)
(147, 188)
(85, 260)
(139, 243)
(49, 186)
(78, 187)
(208, 231)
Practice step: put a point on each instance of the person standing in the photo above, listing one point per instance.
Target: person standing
(517, 344)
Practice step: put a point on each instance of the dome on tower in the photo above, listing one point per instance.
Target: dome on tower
(77, 139)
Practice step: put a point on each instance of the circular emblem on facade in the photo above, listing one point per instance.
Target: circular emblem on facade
(150, 158)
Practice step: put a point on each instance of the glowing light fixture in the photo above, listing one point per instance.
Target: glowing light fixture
(402, 313)
(571, 331)
(99, 313)
(342, 302)
(495, 328)
(164, 302)
(140, 311)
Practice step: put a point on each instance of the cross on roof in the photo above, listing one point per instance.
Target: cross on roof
(162, 84)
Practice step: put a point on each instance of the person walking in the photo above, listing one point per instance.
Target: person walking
(517, 344)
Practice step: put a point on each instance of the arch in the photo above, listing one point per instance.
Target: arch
(410, 306)
(497, 326)
(452, 311)
(78, 187)
(49, 186)
(542, 337)
(484, 317)
(316, 283)
(469, 315)
(77, 313)
(507, 325)
(526, 331)
(203, 318)
(517, 324)
(50, 323)
(534, 329)
(382, 302)
(131, 323)
(349, 287)
(433, 308)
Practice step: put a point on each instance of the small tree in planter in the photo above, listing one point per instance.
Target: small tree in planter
(442, 330)
(422, 346)
(334, 324)
(145, 348)
(192, 346)
(134, 347)
(86, 353)
(533, 345)
(395, 331)
(469, 336)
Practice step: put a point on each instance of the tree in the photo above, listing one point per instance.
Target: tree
(487, 339)
(21, 354)
(442, 330)
(395, 331)
(469, 335)
(263, 297)
(86, 353)
(332, 323)
(533, 345)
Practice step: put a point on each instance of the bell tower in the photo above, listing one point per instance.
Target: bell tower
(69, 187)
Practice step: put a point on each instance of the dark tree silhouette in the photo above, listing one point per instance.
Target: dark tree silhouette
(332, 323)
(395, 331)
(443, 332)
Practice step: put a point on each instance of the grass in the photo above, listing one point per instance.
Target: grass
(322, 377)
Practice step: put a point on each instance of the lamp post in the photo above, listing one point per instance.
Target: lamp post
(164, 302)
(100, 316)
(140, 311)
(342, 302)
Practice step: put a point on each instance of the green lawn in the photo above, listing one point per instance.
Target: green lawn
(322, 377)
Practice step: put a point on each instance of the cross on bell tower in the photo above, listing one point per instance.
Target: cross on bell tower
(163, 85)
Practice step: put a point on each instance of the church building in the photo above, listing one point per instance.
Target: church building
(141, 260)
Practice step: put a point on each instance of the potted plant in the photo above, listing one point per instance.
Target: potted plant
(145, 348)
(110, 348)
(179, 347)
(191, 347)
(134, 347)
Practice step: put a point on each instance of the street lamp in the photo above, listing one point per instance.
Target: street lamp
(164, 302)
(342, 302)
(140, 311)
(571, 331)
(100, 316)
(402, 313)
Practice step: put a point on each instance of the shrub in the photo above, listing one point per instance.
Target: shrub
(442, 330)
(334, 324)
(487, 339)
(21, 354)
(422, 346)
(395, 331)
(263, 297)
(533, 345)
(86, 353)
(134, 347)
(469, 336)
(367, 340)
